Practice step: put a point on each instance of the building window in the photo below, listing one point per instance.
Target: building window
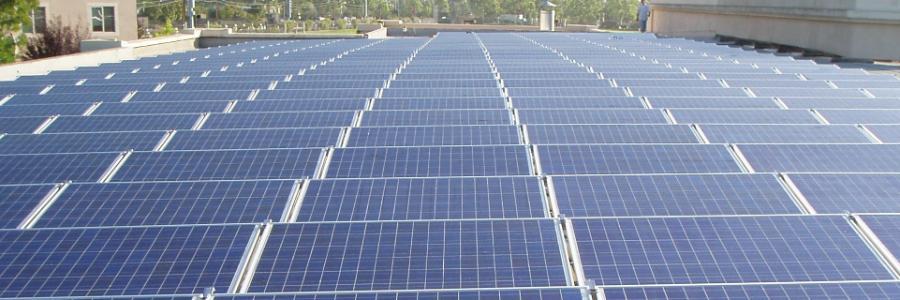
(103, 19)
(38, 21)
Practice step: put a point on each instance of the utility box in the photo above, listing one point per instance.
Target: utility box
(548, 16)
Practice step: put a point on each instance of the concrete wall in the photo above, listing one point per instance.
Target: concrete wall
(221, 37)
(868, 29)
(76, 13)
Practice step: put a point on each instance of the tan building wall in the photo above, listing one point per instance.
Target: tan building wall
(78, 13)
(867, 29)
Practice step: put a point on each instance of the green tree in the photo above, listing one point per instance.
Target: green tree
(13, 15)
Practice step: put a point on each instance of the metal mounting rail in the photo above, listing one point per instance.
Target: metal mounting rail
(43, 205)
(250, 260)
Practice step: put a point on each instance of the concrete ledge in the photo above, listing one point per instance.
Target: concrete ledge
(129, 50)
(220, 37)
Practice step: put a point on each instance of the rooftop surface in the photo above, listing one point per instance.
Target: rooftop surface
(463, 166)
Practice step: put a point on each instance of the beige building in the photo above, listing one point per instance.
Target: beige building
(102, 19)
(867, 29)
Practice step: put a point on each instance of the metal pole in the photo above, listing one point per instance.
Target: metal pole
(189, 13)
(367, 9)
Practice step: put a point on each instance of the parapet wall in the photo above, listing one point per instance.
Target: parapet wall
(867, 29)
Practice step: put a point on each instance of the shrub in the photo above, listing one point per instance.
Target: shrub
(57, 39)
(168, 29)
(341, 24)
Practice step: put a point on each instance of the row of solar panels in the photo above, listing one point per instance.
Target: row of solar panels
(212, 202)
(415, 255)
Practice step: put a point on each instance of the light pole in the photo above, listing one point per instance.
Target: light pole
(367, 10)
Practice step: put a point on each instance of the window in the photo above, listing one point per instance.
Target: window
(103, 19)
(38, 21)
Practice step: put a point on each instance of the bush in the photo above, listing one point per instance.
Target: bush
(308, 25)
(325, 24)
(341, 24)
(168, 29)
(57, 39)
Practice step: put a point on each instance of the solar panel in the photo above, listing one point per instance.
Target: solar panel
(822, 158)
(809, 291)
(300, 105)
(625, 251)
(885, 228)
(532, 293)
(671, 195)
(861, 116)
(576, 102)
(429, 161)
(180, 96)
(279, 120)
(695, 83)
(160, 107)
(53, 168)
(219, 165)
(885, 93)
(635, 159)
(743, 116)
(807, 92)
(605, 134)
(410, 255)
(886, 133)
(712, 102)
(422, 199)
(858, 193)
(254, 139)
(17, 201)
(43, 110)
(65, 98)
(167, 203)
(120, 260)
(122, 123)
(315, 94)
(795, 83)
(688, 92)
(436, 117)
(566, 92)
(780, 134)
(441, 93)
(79, 142)
(433, 136)
(618, 116)
(21, 125)
(842, 103)
(439, 103)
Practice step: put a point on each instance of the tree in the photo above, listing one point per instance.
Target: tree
(13, 15)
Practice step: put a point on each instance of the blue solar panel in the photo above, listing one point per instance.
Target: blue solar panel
(190, 96)
(220, 165)
(807, 92)
(279, 120)
(685, 250)
(603, 134)
(79, 142)
(20, 125)
(102, 88)
(433, 136)
(122, 123)
(167, 203)
(431, 84)
(439, 103)
(576, 102)
(535, 293)
(613, 116)
(776, 134)
(635, 159)
(41, 110)
(429, 162)
(410, 255)
(861, 116)
(803, 291)
(712, 102)
(823, 158)
(65, 98)
(215, 86)
(543, 82)
(119, 261)
(300, 105)
(17, 201)
(254, 139)
(160, 107)
(441, 93)
(315, 94)
(842, 103)
(743, 116)
(53, 168)
(671, 195)
(886, 133)
(885, 93)
(858, 193)
(422, 199)
(566, 92)
(795, 83)
(885, 228)
(436, 117)
(688, 92)
(694, 83)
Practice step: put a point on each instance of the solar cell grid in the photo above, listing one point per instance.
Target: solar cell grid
(436, 117)
(422, 199)
(300, 105)
(780, 134)
(167, 203)
(607, 134)
(842, 103)
(17, 201)
(612, 116)
(79, 142)
(439, 103)
(53, 168)
(219, 165)
(635, 159)
(21, 124)
(575, 102)
(253, 139)
(43, 110)
(537, 294)
(822, 158)
(160, 108)
(885, 229)
(279, 120)
(623, 251)
(712, 102)
(119, 261)
(743, 116)
(429, 161)
(111, 123)
(861, 116)
(410, 255)
(671, 195)
(189, 96)
(858, 193)
(807, 291)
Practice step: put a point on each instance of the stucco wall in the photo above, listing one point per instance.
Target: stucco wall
(77, 13)
(868, 29)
